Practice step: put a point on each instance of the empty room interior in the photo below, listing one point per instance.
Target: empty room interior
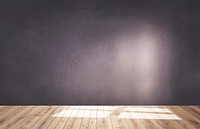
(99, 64)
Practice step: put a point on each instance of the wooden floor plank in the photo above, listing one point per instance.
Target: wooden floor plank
(129, 122)
(99, 117)
(10, 114)
(151, 122)
(5, 109)
(42, 120)
(78, 118)
(86, 118)
(188, 119)
(64, 119)
(29, 117)
(164, 124)
(114, 119)
(14, 121)
(122, 121)
(93, 119)
(108, 122)
(51, 117)
(72, 118)
(192, 111)
(37, 117)
(58, 117)
(131, 116)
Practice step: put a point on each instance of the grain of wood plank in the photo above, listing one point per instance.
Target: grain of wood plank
(166, 123)
(51, 118)
(184, 122)
(127, 118)
(99, 117)
(14, 121)
(37, 117)
(58, 117)
(41, 121)
(122, 121)
(65, 117)
(28, 117)
(5, 109)
(136, 121)
(71, 120)
(107, 119)
(78, 119)
(86, 118)
(191, 111)
(93, 119)
(152, 121)
(10, 114)
(113, 115)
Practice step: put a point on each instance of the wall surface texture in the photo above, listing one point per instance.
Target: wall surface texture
(100, 52)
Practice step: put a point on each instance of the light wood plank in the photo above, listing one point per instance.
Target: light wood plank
(51, 117)
(78, 119)
(37, 117)
(58, 117)
(42, 120)
(14, 121)
(99, 117)
(107, 120)
(86, 118)
(71, 120)
(137, 122)
(188, 121)
(93, 119)
(28, 117)
(10, 114)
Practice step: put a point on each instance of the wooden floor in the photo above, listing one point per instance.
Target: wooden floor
(99, 117)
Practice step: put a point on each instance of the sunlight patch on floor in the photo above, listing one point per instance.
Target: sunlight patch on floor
(67, 113)
(125, 112)
(133, 115)
(146, 109)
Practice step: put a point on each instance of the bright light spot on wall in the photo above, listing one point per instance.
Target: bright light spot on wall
(138, 58)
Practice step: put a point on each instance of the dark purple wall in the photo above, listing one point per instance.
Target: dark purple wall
(99, 52)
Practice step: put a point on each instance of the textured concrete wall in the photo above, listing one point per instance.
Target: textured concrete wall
(100, 52)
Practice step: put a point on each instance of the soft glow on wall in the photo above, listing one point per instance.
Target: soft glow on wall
(138, 60)
(126, 67)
